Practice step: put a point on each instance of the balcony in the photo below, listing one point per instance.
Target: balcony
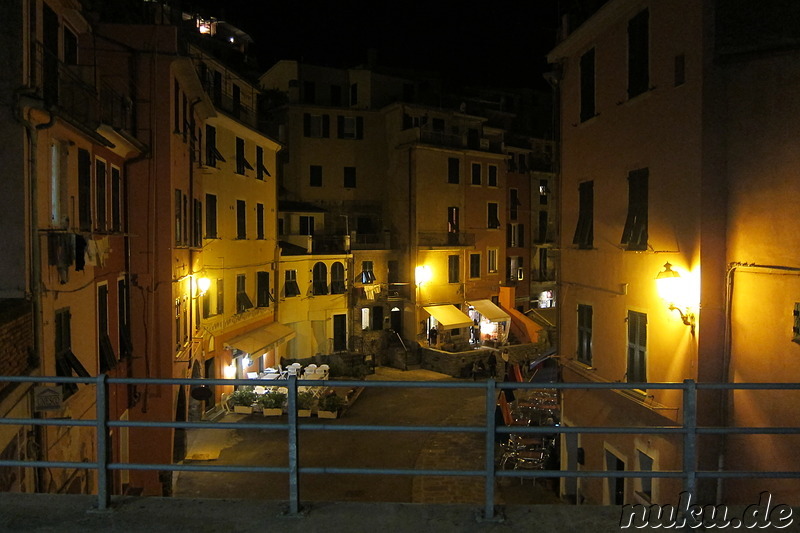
(370, 241)
(455, 140)
(67, 88)
(445, 239)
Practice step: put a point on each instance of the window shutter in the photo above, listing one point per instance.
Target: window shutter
(509, 237)
(359, 127)
(340, 126)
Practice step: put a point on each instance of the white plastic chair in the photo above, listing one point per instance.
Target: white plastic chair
(323, 371)
(259, 389)
(225, 400)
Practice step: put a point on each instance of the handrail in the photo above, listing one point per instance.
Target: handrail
(687, 427)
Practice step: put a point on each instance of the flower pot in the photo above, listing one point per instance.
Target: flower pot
(304, 413)
(327, 414)
(243, 409)
(270, 411)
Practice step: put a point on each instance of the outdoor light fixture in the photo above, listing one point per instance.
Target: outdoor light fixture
(670, 287)
(422, 274)
(203, 284)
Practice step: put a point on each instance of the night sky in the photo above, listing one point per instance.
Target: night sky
(502, 43)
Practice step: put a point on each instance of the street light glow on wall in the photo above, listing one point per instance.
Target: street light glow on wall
(672, 288)
(203, 284)
(422, 274)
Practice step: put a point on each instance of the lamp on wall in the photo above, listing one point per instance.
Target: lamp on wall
(422, 275)
(670, 287)
(203, 284)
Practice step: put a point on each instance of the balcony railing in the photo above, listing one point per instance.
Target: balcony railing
(457, 140)
(687, 428)
(69, 88)
(445, 239)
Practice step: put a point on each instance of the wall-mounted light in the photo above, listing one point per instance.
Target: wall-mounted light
(422, 275)
(203, 284)
(671, 288)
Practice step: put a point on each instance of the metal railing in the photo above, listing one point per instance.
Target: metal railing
(688, 428)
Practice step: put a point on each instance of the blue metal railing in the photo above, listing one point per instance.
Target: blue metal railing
(688, 429)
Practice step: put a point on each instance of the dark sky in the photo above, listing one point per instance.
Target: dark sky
(501, 43)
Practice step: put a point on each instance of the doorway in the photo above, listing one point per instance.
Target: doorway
(396, 320)
(616, 485)
(339, 333)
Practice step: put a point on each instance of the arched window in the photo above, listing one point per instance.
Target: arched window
(320, 279)
(337, 278)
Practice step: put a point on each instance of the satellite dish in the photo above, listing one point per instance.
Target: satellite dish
(201, 393)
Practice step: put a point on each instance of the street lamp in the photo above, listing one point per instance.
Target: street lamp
(671, 287)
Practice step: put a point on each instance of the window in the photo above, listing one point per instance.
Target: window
(634, 235)
(453, 267)
(349, 177)
(70, 47)
(515, 237)
(350, 127)
(453, 170)
(261, 169)
(491, 260)
(306, 225)
(116, 200)
(376, 320)
(84, 190)
(585, 334)
(236, 97)
(587, 86)
(316, 125)
(513, 203)
(241, 219)
(638, 54)
(336, 95)
(179, 220)
(197, 223)
(492, 181)
(476, 173)
(584, 232)
(353, 94)
(542, 226)
(680, 69)
(243, 302)
(367, 276)
(645, 484)
(259, 221)
(337, 278)
(796, 327)
(492, 219)
(544, 191)
(220, 296)
(315, 176)
(58, 185)
(309, 92)
(100, 194)
(212, 154)
(637, 347)
(241, 160)
(474, 266)
(320, 277)
(176, 107)
(523, 162)
(290, 287)
(66, 362)
(544, 272)
(452, 225)
(211, 216)
(107, 358)
(263, 296)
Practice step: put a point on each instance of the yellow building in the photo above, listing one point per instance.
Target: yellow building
(659, 167)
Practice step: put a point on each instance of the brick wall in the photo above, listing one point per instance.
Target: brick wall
(16, 338)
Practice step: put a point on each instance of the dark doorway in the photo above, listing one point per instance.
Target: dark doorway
(616, 485)
(339, 333)
(179, 448)
(397, 320)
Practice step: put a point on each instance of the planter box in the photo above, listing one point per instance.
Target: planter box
(243, 409)
(327, 414)
(272, 411)
(304, 413)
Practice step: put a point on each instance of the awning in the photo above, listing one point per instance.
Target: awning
(490, 311)
(262, 339)
(449, 316)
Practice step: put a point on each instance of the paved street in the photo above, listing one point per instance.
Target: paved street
(387, 406)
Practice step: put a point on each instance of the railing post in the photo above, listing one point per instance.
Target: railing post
(488, 511)
(690, 436)
(294, 477)
(103, 493)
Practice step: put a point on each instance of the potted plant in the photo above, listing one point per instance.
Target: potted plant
(305, 400)
(243, 400)
(272, 403)
(329, 405)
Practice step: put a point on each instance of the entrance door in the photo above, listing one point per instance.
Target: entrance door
(396, 318)
(616, 485)
(339, 333)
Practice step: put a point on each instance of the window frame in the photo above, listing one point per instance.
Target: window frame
(474, 265)
(319, 277)
(453, 170)
(588, 85)
(635, 232)
(241, 220)
(636, 370)
(290, 286)
(493, 215)
(584, 337)
(243, 302)
(477, 174)
(454, 268)
(584, 230)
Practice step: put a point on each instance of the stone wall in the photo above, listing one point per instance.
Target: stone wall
(459, 364)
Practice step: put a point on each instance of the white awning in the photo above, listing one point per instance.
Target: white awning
(490, 311)
(262, 339)
(449, 316)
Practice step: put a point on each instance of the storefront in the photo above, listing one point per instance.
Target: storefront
(445, 322)
(493, 322)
